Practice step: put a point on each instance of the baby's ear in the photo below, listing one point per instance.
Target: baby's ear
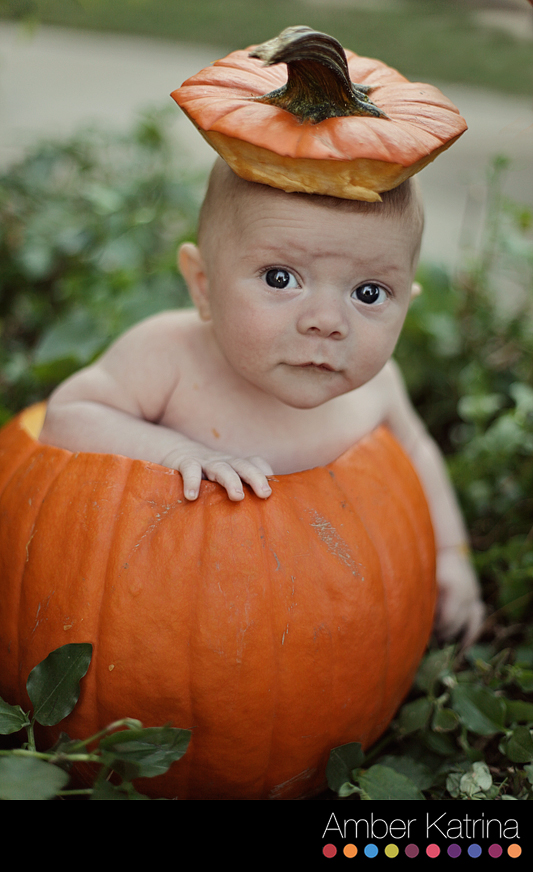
(416, 290)
(192, 269)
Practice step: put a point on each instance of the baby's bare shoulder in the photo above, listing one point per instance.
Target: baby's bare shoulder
(160, 329)
(159, 344)
(140, 370)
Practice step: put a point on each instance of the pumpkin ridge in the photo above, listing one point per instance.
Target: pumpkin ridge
(274, 648)
(187, 763)
(395, 488)
(29, 445)
(34, 453)
(347, 495)
(96, 661)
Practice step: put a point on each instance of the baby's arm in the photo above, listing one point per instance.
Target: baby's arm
(115, 404)
(460, 609)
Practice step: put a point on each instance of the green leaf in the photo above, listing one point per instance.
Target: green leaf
(479, 709)
(522, 394)
(417, 772)
(519, 710)
(479, 408)
(518, 746)
(477, 781)
(76, 337)
(30, 778)
(524, 678)
(144, 753)
(342, 762)
(12, 718)
(414, 715)
(104, 789)
(382, 782)
(54, 685)
(442, 744)
(433, 667)
(445, 720)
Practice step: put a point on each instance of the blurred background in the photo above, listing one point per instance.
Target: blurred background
(101, 177)
(69, 63)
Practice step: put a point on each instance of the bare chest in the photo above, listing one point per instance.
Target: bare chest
(209, 408)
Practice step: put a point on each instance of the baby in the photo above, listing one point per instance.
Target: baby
(282, 365)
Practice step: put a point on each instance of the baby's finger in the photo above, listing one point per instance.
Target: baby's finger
(225, 475)
(191, 473)
(463, 622)
(474, 624)
(255, 475)
(261, 464)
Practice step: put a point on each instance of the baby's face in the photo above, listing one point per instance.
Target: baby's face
(307, 301)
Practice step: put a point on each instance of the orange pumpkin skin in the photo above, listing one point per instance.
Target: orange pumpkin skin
(274, 630)
(351, 157)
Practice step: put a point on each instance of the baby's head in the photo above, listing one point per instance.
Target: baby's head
(306, 294)
(227, 195)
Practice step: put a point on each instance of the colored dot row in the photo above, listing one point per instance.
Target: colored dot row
(432, 851)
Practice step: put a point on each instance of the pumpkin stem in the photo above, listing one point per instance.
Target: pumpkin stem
(318, 84)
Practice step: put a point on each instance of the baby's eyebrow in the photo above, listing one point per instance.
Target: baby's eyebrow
(290, 251)
(287, 250)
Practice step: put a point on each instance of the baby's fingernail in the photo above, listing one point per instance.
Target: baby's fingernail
(191, 494)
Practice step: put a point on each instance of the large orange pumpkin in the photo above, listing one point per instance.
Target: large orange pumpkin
(353, 156)
(274, 630)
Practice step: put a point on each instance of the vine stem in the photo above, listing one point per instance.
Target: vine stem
(131, 723)
(49, 756)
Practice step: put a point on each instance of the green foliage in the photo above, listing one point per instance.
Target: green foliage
(467, 353)
(88, 236)
(466, 731)
(124, 750)
(465, 734)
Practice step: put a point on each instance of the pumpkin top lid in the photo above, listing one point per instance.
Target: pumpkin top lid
(300, 104)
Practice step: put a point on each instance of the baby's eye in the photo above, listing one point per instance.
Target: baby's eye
(280, 278)
(370, 293)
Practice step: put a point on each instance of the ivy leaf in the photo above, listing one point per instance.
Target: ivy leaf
(54, 685)
(343, 760)
(479, 709)
(519, 710)
(477, 781)
(433, 667)
(414, 715)
(518, 746)
(30, 778)
(382, 782)
(417, 772)
(12, 718)
(73, 340)
(144, 753)
(445, 720)
(480, 408)
(104, 789)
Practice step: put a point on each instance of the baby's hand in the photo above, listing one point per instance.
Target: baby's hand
(460, 610)
(196, 461)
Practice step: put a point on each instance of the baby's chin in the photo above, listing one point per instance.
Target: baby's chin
(312, 392)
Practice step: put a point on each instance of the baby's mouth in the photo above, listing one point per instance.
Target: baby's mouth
(321, 367)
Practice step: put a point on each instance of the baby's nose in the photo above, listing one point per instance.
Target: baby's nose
(323, 315)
